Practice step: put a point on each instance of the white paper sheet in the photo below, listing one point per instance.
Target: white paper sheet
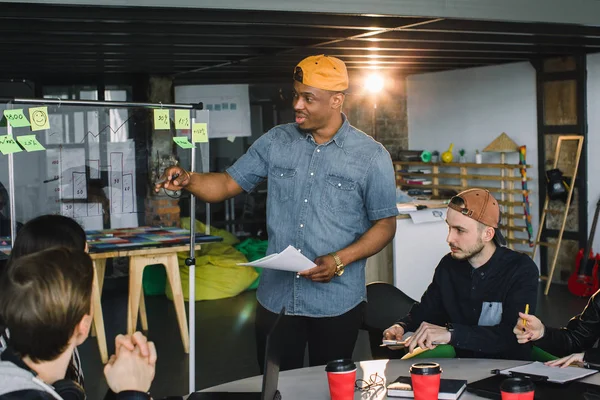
(554, 374)
(289, 259)
(428, 215)
(121, 174)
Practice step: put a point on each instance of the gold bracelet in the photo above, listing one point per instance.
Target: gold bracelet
(339, 270)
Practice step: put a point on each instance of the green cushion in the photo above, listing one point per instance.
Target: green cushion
(154, 280)
(538, 354)
(441, 351)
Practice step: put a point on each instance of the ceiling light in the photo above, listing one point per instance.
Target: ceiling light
(374, 83)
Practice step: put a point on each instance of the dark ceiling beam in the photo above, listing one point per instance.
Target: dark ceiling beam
(348, 55)
(580, 12)
(165, 29)
(451, 47)
(183, 35)
(117, 40)
(200, 16)
(178, 66)
(433, 36)
(536, 28)
(231, 53)
(258, 48)
(313, 45)
(32, 53)
(26, 60)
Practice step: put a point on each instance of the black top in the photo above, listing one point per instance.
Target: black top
(580, 334)
(482, 304)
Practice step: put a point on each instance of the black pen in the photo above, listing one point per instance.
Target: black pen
(175, 176)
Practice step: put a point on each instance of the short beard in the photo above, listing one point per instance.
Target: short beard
(470, 253)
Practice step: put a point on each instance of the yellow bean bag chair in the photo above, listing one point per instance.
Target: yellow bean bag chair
(217, 275)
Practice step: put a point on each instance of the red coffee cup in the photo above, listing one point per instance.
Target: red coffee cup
(517, 389)
(425, 379)
(341, 375)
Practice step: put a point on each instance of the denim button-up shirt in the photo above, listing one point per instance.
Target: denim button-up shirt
(321, 198)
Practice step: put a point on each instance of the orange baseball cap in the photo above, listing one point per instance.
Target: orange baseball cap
(480, 205)
(322, 72)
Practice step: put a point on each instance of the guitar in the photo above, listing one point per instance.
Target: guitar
(584, 280)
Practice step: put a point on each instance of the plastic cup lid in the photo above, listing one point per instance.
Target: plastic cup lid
(517, 385)
(425, 368)
(344, 365)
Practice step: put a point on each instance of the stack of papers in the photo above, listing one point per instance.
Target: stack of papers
(406, 208)
(554, 374)
(289, 259)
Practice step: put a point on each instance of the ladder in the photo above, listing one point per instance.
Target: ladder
(573, 175)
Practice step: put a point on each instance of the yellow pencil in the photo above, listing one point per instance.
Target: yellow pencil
(526, 313)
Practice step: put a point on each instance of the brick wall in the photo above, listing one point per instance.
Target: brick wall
(391, 120)
(162, 211)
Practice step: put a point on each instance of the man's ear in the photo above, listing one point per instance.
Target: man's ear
(337, 100)
(82, 330)
(488, 233)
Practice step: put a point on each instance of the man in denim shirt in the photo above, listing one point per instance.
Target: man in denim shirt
(331, 195)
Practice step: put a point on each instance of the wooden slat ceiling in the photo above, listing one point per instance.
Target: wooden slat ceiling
(249, 47)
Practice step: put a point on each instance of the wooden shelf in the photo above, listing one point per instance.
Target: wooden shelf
(459, 165)
(513, 228)
(517, 241)
(505, 184)
(459, 176)
(458, 187)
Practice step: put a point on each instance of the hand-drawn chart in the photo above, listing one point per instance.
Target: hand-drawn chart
(66, 170)
(121, 175)
(67, 186)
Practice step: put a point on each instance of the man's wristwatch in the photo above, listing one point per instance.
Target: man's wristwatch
(339, 270)
(450, 329)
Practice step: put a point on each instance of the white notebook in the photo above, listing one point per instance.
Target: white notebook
(554, 374)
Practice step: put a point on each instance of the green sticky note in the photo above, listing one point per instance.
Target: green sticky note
(183, 142)
(30, 143)
(39, 118)
(161, 119)
(182, 119)
(200, 133)
(16, 118)
(8, 145)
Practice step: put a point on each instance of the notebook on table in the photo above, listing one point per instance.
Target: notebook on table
(450, 389)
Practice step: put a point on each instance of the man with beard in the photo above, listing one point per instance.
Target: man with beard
(478, 289)
(331, 195)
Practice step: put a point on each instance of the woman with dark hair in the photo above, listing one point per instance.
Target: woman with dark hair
(48, 231)
(39, 234)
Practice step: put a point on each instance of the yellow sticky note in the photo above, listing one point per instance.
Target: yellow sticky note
(30, 143)
(38, 117)
(161, 119)
(8, 145)
(183, 142)
(231, 138)
(16, 118)
(200, 133)
(182, 119)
